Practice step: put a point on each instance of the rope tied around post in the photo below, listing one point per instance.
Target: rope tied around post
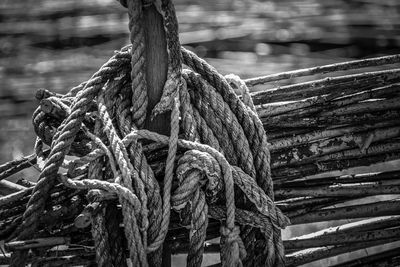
(223, 173)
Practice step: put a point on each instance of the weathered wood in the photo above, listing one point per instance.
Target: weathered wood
(314, 121)
(156, 75)
(325, 102)
(36, 243)
(310, 255)
(302, 202)
(51, 256)
(7, 188)
(357, 190)
(299, 138)
(391, 176)
(325, 85)
(284, 174)
(156, 67)
(356, 64)
(365, 107)
(381, 208)
(338, 148)
(389, 257)
(358, 226)
(340, 239)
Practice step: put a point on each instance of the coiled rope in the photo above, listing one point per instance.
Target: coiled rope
(223, 174)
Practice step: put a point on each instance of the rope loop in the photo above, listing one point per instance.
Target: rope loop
(241, 88)
(230, 238)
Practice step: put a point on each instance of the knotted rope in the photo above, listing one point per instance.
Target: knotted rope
(223, 174)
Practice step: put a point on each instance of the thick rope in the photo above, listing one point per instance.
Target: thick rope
(198, 229)
(110, 249)
(138, 72)
(191, 168)
(212, 105)
(241, 88)
(249, 121)
(194, 126)
(255, 134)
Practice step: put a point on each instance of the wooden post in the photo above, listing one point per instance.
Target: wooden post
(156, 75)
(156, 67)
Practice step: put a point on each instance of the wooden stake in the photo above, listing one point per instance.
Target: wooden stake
(156, 67)
(156, 75)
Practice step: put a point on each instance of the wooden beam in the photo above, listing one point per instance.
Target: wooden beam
(156, 67)
(156, 75)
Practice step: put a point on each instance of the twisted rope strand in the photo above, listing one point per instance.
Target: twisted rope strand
(197, 235)
(138, 72)
(249, 121)
(254, 132)
(205, 92)
(191, 169)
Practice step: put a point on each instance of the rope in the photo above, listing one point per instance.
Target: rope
(198, 229)
(213, 107)
(171, 87)
(241, 88)
(189, 174)
(60, 146)
(224, 172)
(136, 244)
(146, 174)
(110, 250)
(139, 162)
(254, 132)
(138, 72)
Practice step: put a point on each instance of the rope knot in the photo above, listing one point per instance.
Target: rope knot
(240, 87)
(233, 250)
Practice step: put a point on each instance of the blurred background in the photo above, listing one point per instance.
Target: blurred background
(56, 44)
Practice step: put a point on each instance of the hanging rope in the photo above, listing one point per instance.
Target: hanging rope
(224, 172)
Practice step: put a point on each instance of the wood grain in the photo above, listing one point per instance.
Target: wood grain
(156, 67)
